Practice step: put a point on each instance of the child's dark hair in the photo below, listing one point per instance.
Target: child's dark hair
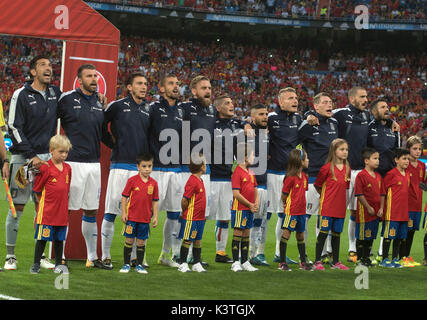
(196, 163)
(144, 157)
(400, 152)
(296, 157)
(367, 153)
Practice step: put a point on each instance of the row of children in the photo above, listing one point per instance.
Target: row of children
(378, 198)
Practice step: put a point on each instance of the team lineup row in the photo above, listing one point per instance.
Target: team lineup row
(135, 128)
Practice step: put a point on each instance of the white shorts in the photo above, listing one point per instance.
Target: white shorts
(85, 186)
(351, 199)
(274, 187)
(207, 183)
(263, 204)
(117, 180)
(313, 200)
(171, 190)
(221, 195)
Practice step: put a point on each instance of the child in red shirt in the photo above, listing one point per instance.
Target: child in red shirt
(139, 207)
(370, 193)
(395, 217)
(416, 170)
(51, 187)
(332, 183)
(295, 184)
(245, 204)
(193, 218)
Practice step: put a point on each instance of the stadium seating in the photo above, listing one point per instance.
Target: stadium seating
(250, 74)
(409, 10)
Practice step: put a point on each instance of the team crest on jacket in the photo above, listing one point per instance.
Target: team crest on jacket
(180, 113)
(392, 232)
(368, 233)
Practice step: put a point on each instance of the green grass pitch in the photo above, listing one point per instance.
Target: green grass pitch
(219, 283)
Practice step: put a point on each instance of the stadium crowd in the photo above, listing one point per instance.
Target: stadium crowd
(250, 74)
(379, 9)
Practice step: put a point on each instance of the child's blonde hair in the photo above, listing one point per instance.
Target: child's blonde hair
(59, 141)
(413, 140)
(332, 158)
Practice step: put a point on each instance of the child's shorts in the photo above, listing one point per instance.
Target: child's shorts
(139, 230)
(327, 224)
(294, 223)
(242, 219)
(394, 229)
(367, 230)
(414, 220)
(191, 230)
(50, 233)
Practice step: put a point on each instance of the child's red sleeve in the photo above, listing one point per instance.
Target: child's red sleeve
(189, 190)
(288, 183)
(41, 179)
(156, 192)
(128, 189)
(321, 176)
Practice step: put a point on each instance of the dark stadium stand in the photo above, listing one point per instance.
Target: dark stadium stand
(407, 10)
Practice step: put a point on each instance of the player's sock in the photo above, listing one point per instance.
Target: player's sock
(335, 242)
(244, 249)
(352, 234)
(396, 248)
(107, 234)
(197, 253)
(12, 226)
(425, 246)
(283, 246)
(90, 234)
(320, 242)
(221, 235)
(367, 248)
(360, 245)
(64, 242)
(38, 252)
(386, 248)
(264, 229)
(183, 253)
(175, 240)
(169, 229)
(307, 218)
(235, 247)
(402, 249)
(380, 249)
(409, 240)
(255, 236)
(127, 249)
(301, 250)
(279, 232)
(140, 251)
(58, 248)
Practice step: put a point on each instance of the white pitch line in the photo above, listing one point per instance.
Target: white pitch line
(4, 297)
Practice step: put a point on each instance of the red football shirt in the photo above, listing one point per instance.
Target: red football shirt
(54, 186)
(244, 181)
(141, 196)
(195, 192)
(416, 175)
(397, 188)
(295, 187)
(372, 189)
(334, 192)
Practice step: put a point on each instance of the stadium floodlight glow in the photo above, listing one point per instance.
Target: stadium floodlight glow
(218, 40)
